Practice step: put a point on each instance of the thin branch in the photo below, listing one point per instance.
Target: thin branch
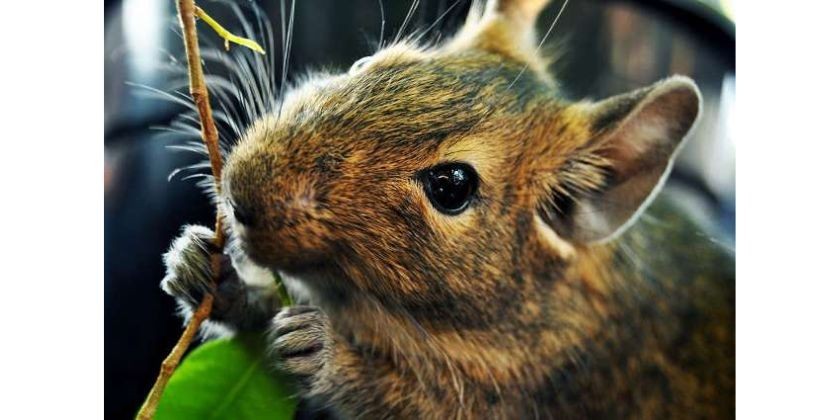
(198, 90)
(167, 368)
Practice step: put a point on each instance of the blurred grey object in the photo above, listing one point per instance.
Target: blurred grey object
(606, 47)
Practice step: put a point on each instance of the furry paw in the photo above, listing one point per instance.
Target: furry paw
(301, 342)
(189, 274)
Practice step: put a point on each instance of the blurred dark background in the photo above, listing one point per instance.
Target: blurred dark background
(608, 46)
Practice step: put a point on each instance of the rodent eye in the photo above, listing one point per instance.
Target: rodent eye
(450, 186)
(359, 64)
(241, 214)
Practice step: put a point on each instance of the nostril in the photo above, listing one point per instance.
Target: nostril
(242, 215)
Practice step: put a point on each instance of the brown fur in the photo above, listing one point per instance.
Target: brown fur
(509, 309)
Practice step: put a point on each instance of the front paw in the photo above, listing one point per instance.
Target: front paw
(189, 274)
(301, 342)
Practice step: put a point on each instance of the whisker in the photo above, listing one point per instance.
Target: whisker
(438, 20)
(287, 45)
(382, 25)
(408, 16)
(203, 177)
(160, 94)
(238, 72)
(200, 165)
(255, 60)
(166, 128)
(192, 148)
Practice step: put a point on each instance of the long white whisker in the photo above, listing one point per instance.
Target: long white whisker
(195, 166)
(256, 94)
(257, 63)
(438, 20)
(408, 17)
(191, 147)
(381, 25)
(238, 72)
(287, 47)
(267, 36)
(160, 94)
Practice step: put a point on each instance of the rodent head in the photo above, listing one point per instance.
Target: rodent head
(426, 176)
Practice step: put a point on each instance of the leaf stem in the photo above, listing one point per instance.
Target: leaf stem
(226, 35)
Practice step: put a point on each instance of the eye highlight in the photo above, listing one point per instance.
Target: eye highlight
(450, 186)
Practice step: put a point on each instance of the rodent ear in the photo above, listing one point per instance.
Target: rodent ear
(506, 27)
(521, 13)
(608, 181)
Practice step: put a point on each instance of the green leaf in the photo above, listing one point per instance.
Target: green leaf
(227, 379)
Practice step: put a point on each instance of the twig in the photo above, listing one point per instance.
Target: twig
(198, 90)
(226, 35)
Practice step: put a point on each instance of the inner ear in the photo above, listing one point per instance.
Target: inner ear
(608, 181)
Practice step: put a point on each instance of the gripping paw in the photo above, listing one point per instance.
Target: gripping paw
(301, 341)
(189, 274)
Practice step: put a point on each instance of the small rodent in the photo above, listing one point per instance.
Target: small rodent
(462, 242)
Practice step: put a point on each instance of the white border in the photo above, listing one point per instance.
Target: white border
(788, 253)
(51, 163)
(788, 302)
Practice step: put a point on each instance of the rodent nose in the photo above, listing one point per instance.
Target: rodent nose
(242, 214)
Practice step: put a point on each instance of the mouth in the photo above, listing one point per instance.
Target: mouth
(284, 255)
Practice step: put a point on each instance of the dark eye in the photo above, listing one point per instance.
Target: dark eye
(450, 186)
